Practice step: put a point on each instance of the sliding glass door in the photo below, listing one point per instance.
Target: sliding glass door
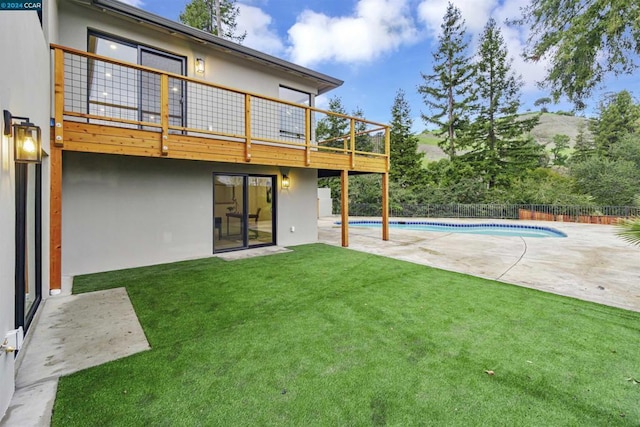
(243, 214)
(28, 273)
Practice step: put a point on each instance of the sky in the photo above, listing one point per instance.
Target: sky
(378, 46)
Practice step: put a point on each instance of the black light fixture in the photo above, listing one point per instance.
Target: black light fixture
(27, 141)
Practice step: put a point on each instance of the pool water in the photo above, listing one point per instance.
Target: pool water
(486, 229)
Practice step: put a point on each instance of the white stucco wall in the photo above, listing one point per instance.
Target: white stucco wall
(75, 20)
(24, 91)
(120, 212)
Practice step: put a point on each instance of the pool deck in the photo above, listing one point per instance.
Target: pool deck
(591, 263)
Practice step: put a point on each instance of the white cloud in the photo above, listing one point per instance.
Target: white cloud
(375, 27)
(260, 35)
(134, 3)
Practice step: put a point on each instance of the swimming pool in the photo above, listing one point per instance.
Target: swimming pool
(496, 229)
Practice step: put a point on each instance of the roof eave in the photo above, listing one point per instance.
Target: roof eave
(325, 82)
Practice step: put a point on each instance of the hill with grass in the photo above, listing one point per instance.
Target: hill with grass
(550, 124)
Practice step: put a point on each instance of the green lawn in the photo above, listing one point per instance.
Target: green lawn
(329, 336)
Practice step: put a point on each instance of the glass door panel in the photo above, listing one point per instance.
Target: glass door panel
(28, 272)
(260, 213)
(229, 216)
(150, 85)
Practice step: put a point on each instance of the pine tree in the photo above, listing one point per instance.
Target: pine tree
(202, 14)
(449, 92)
(333, 129)
(500, 147)
(406, 161)
(584, 146)
(560, 146)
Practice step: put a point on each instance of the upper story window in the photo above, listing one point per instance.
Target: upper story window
(117, 91)
(292, 122)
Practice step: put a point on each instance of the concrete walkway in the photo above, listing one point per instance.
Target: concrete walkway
(72, 333)
(591, 264)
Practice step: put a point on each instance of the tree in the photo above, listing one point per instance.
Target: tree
(583, 40)
(619, 116)
(560, 146)
(333, 128)
(610, 182)
(203, 15)
(449, 92)
(406, 161)
(584, 146)
(542, 102)
(500, 149)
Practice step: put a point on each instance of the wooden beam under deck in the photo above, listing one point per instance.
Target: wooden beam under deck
(96, 138)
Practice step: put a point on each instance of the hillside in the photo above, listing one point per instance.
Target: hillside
(551, 124)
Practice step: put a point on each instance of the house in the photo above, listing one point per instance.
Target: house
(160, 143)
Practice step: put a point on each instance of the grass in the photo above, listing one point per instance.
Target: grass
(329, 336)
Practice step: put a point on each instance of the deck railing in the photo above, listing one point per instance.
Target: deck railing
(105, 91)
(584, 214)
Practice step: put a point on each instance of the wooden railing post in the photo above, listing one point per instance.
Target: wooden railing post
(247, 127)
(307, 136)
(387, 147)
(352, 136)
(58, 130)
(164, 114)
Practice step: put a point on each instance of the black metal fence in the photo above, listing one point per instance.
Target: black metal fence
(492, 211)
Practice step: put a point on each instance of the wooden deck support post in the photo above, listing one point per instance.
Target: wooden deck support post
(55, 220)
(344, 206)
(385, 206)
(385, 186)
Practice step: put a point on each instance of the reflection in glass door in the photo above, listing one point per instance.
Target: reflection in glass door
(260, 218)
(28, 275)
(243, 211)
(228, 212)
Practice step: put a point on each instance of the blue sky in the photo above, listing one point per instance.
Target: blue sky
(376, 46)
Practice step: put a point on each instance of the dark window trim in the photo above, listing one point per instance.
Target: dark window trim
(245, 204)
(140, 48)
(21, 184)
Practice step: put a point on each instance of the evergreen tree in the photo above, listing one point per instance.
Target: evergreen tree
(406, 161)
(203, 15)
(500, 147)
(560, 146)
(584, 146)
(449, 92)
(333, 128)
(619, 116)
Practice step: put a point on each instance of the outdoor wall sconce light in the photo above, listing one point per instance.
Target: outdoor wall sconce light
(199, 65)
(286, 181)
(27, 141)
